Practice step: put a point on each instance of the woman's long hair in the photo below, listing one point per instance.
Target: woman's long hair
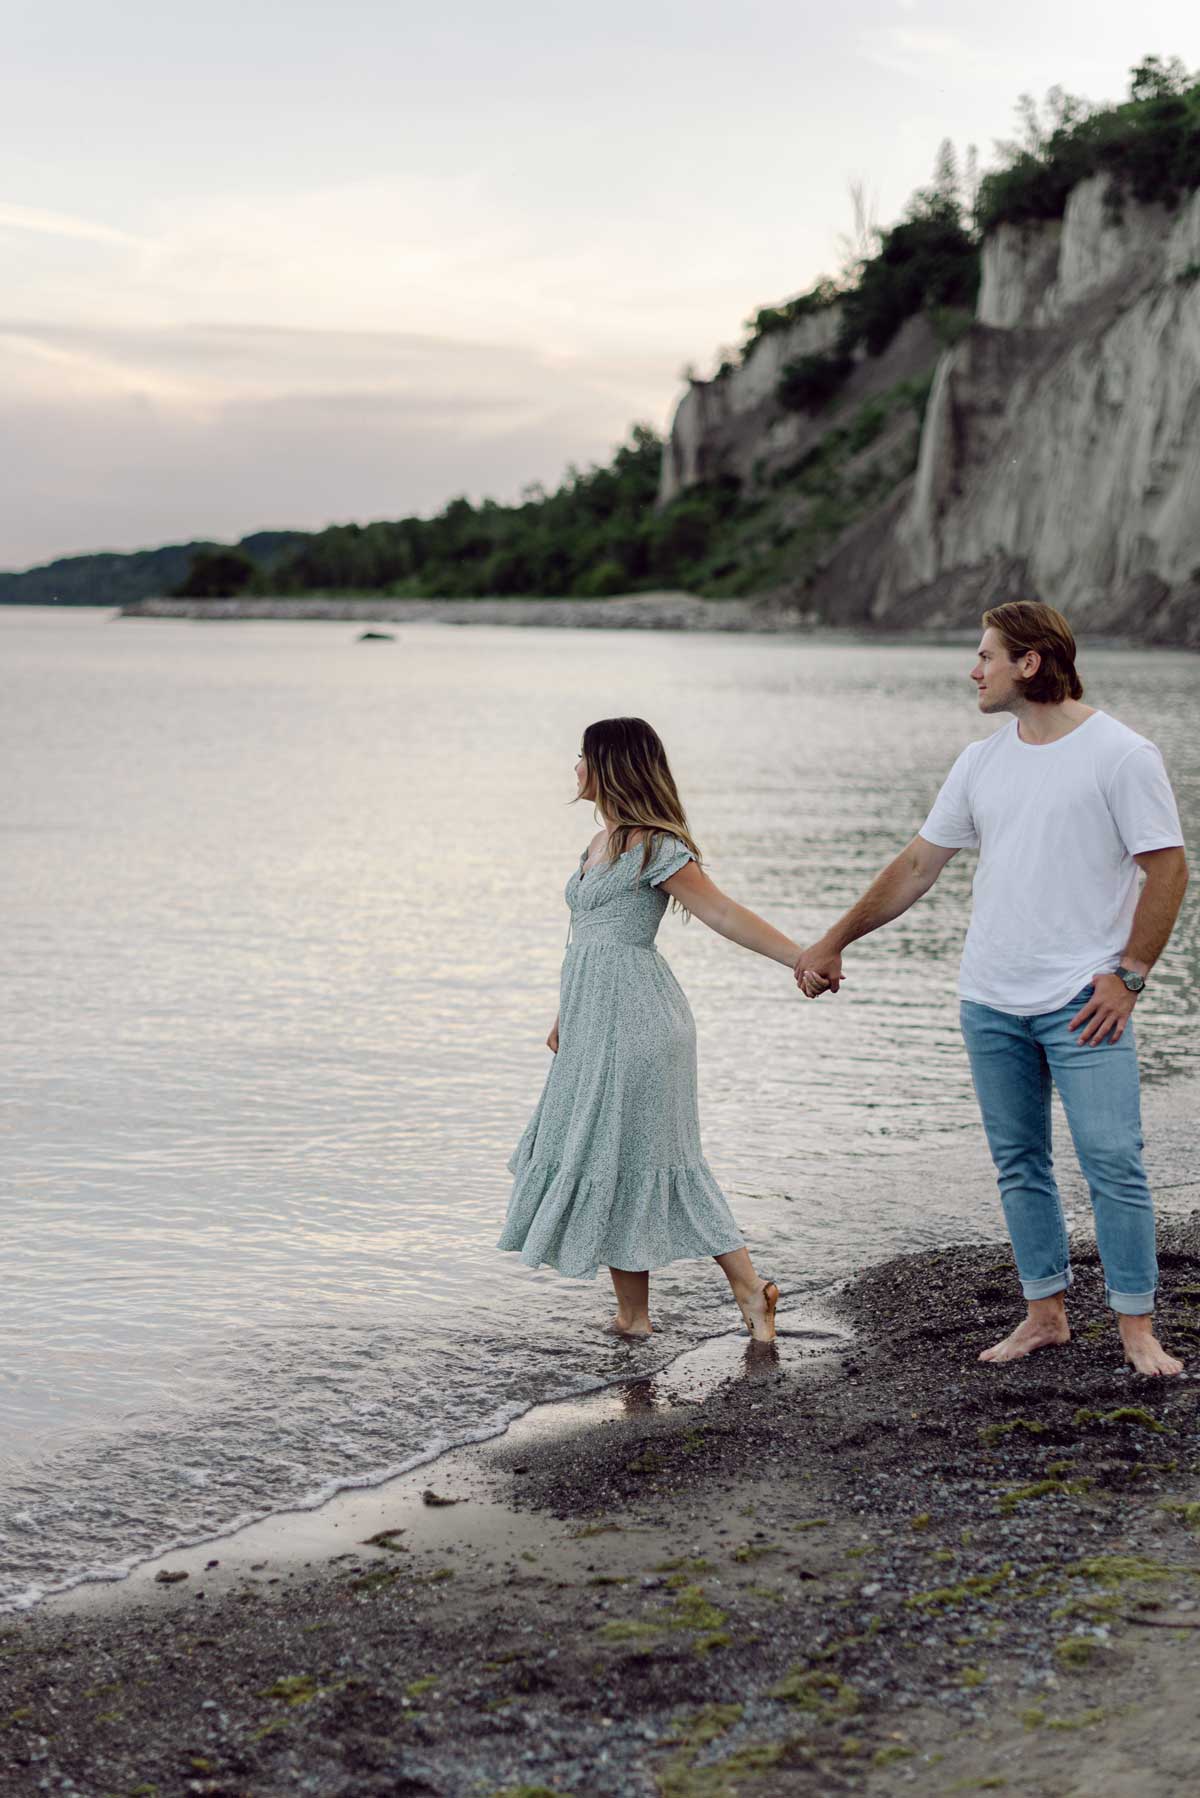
(630, 780)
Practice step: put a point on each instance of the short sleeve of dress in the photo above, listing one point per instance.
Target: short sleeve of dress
(669, 856)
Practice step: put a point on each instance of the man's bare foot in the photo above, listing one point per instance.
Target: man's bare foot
(1045, 1327)
(1143, 1351)
(621, 1326)
(758, 1310)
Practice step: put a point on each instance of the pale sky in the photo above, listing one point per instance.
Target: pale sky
(279, 263)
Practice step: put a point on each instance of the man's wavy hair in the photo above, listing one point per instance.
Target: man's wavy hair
(630, 782)
(1026, 624)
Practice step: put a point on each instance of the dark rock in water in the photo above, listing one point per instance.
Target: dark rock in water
(376, 637)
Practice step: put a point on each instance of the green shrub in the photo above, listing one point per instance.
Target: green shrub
(810, 382)
(1149, 145)
(769, 319)
(506, 571)
(217, 574)
(929, 261)
(681, 534)
(950, 323)
(603, 579)
(866, 425)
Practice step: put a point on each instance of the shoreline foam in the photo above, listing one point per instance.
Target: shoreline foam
(316, 1529)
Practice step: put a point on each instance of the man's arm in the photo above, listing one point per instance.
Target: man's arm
(1166, 872)
(1110, 1008)
(890, 894)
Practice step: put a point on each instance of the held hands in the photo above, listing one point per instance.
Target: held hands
(1107, 1011)
(819, 970)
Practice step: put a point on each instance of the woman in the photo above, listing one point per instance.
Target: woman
(610, 1169)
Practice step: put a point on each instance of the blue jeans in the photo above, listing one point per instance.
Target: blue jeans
(1013, 1063)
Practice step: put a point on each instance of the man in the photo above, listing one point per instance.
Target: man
(1064, 804)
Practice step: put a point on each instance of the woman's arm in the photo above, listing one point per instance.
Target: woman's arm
(552, 1039)
(695, 891)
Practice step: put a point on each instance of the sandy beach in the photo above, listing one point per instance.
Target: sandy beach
(860, 1562)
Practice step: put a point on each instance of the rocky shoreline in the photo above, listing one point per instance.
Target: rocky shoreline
(761, 616)
(628, 611)
(885, 1569)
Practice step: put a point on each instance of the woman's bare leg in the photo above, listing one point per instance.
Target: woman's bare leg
(633, 1303)
(756, 1298)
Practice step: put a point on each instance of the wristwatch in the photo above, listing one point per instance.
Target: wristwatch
(1134, 982)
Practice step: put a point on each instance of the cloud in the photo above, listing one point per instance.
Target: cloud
(919, 50)
(124, 439)
(382, 343)
(61, 224)
(42, 363)
(469, 255)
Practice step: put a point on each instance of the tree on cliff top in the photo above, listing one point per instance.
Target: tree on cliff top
(1149, 146)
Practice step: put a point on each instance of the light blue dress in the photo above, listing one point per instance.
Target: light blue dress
(609, 1171)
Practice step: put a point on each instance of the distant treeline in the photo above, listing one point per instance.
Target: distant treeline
(112, 579)
(598, 533)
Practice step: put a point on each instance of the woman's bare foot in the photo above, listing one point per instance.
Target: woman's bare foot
(1045, 1327)
(631, 1288)
(1143, 1351)
(621, 1326)
(758, 1310)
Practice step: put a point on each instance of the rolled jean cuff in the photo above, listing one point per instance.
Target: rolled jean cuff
(1046, 1289)
(1129, 1304)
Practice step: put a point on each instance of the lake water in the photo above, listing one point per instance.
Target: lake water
(282, 917)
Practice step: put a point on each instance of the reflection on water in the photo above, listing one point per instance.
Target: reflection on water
(282, 931)
(661, 1392)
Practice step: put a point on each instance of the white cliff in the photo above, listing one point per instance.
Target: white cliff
(1061, 447)
(723, 426)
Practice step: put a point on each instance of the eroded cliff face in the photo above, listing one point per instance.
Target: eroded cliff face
(811, 476)
(1061, 445)
(727, 425)
(1060, 451)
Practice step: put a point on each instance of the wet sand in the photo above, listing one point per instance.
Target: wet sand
(864, 1563)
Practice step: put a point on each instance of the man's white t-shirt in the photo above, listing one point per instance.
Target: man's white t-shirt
(1057, 826)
